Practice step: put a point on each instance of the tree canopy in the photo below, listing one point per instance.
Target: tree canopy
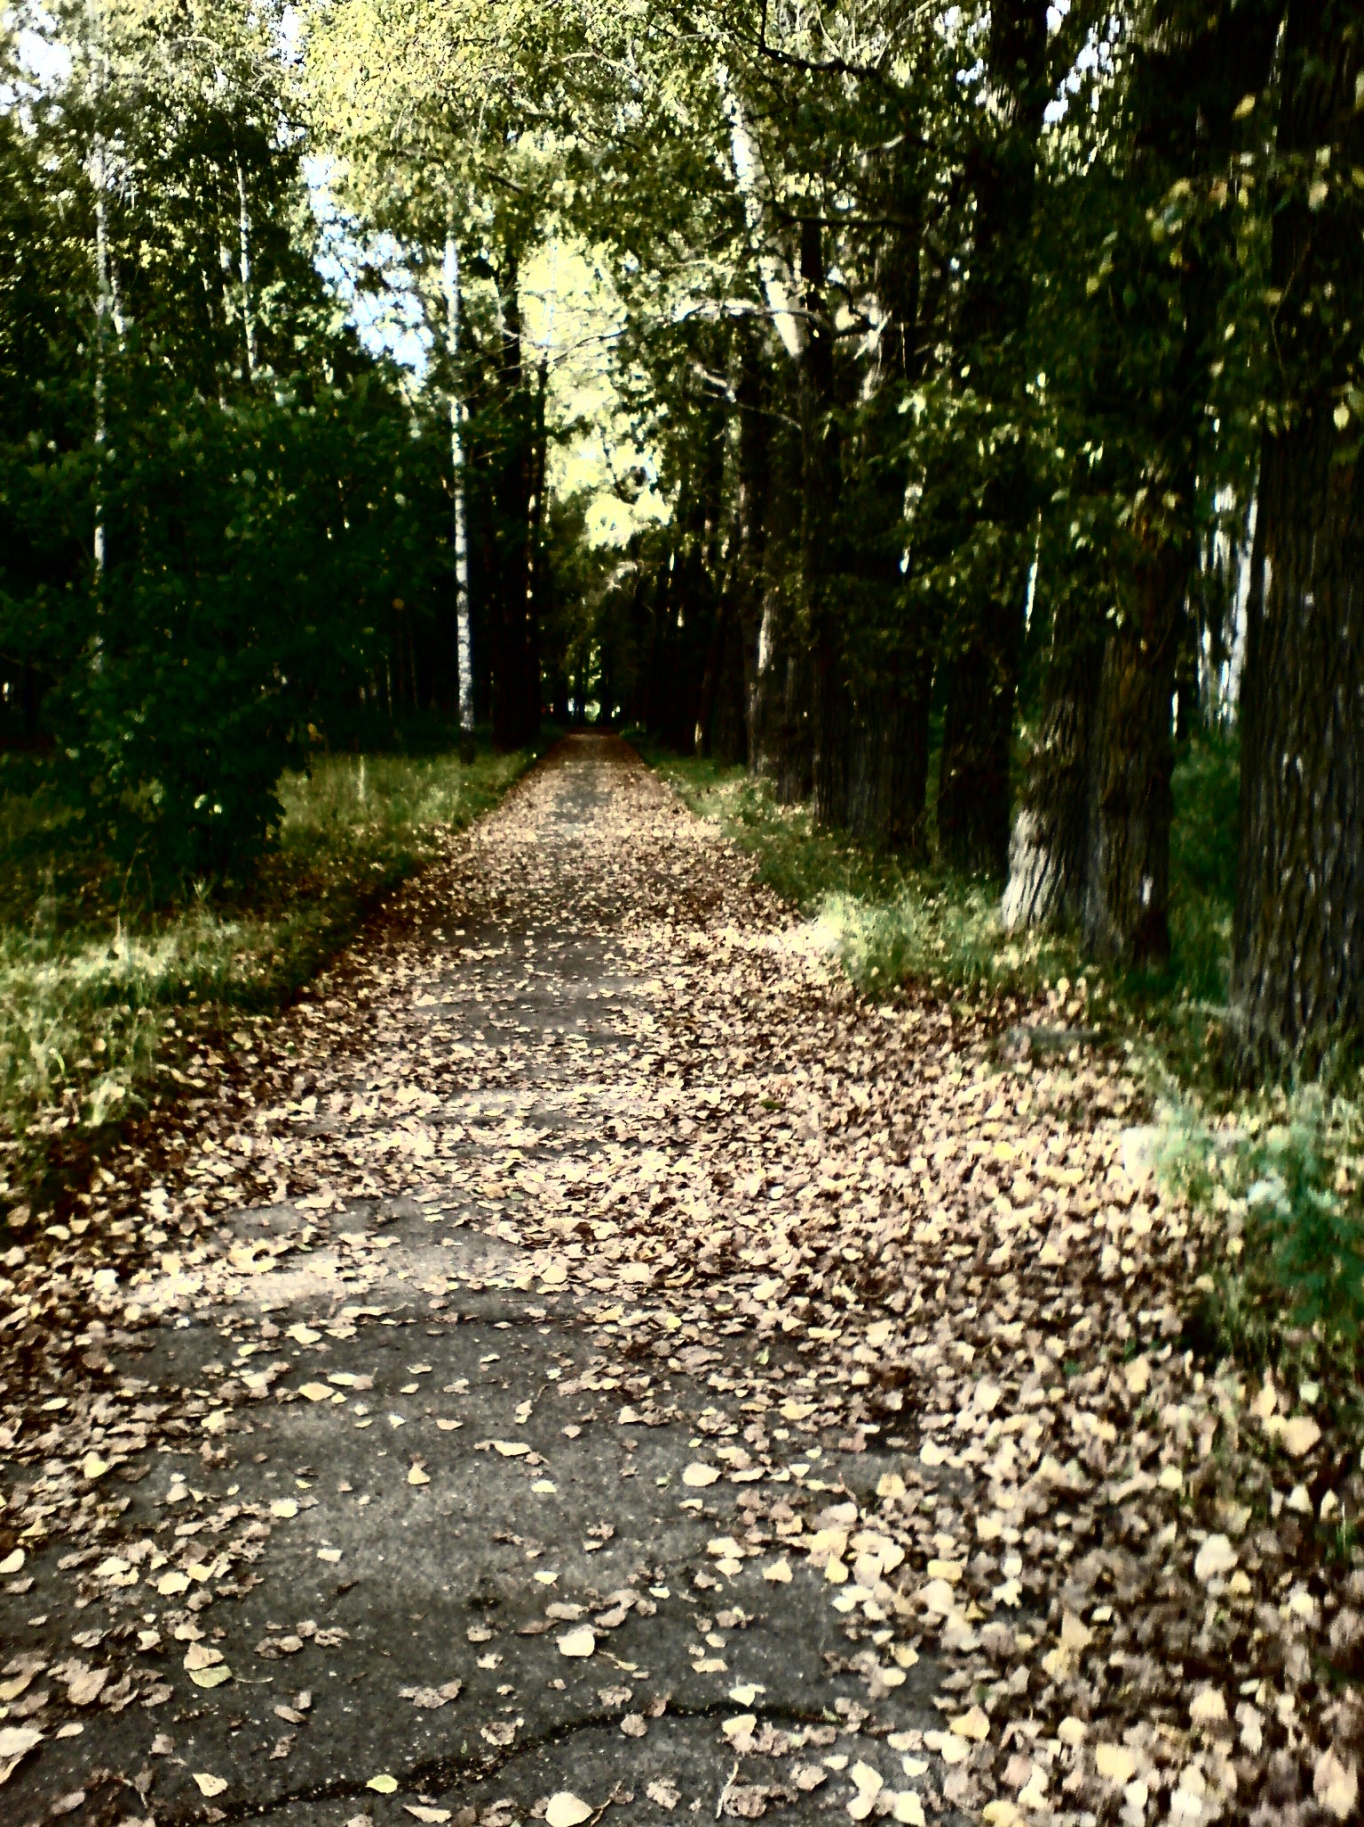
(940, 409)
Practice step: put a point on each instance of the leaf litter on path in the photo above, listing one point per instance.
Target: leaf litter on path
(884, 1227)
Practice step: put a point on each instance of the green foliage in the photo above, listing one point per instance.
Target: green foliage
(1203, 842)
(97, 1004)
(213, 505)
(887, 921)
(1280, 1193)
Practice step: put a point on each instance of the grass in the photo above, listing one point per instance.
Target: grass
(892, 922)
(98, 995)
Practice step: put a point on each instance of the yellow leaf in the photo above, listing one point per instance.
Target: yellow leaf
(579, 1642)
(417, 1476)
(383, 1784)
(209, 1785)
(698, 1476)
(566, 1810)
(1115, 1762)
(1300, 1435)
(316, 1392)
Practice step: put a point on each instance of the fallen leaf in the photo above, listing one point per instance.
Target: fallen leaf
(85, 1688)
(566, 1810)
(974, 1724)
(316, 1392)
(580, 1642)
(1335, 1784)
(1115, 1762)
(12, 1562)
(421, 1813)
(698, 1475)
(209, 1785)
(1299, 1435)
(511, 1449)
(383, 1784)
(417, 1476)
(1215, 1558)
(1208, 1707)
(15, 1744)
(663, 1793)
(92, 1466)
(779, 1572)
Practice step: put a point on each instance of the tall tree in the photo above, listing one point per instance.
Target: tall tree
(991, 358)
(1298, 952)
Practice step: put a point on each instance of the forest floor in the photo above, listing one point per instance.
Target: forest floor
(588, 1360)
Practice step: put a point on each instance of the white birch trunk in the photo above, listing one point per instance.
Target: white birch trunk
(464, 645)
(244, 235)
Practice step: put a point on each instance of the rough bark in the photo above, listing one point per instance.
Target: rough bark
(510, 625)
(888, 768)
(1127, 874)
(1298, 946)
(1048, 848)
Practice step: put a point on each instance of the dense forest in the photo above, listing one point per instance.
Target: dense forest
(987, 392)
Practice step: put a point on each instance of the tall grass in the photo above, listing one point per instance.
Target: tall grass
(95, 990)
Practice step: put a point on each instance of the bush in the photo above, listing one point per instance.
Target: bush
(1280, 1194)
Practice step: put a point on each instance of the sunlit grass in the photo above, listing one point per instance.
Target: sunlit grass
(90, 1001)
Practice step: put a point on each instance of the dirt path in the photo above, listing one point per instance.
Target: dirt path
(614, 1360)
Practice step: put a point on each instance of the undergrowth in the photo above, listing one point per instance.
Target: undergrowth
(98, 994)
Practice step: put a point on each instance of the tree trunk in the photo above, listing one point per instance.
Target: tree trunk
(982, 679)
(1297, 980)
(1127, 877)
(464, 652)
(1189, 74)
(510, 654)
(750, 530)
(892, 667)
(1048, 849)
(1298, 951)
(831, 704)
(888, 767)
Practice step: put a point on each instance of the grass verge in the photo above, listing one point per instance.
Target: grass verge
(1274, 1174)
(94, 1003)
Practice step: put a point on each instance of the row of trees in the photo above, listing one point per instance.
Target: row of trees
(996, 362)
(225, 526)
(970, 340)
